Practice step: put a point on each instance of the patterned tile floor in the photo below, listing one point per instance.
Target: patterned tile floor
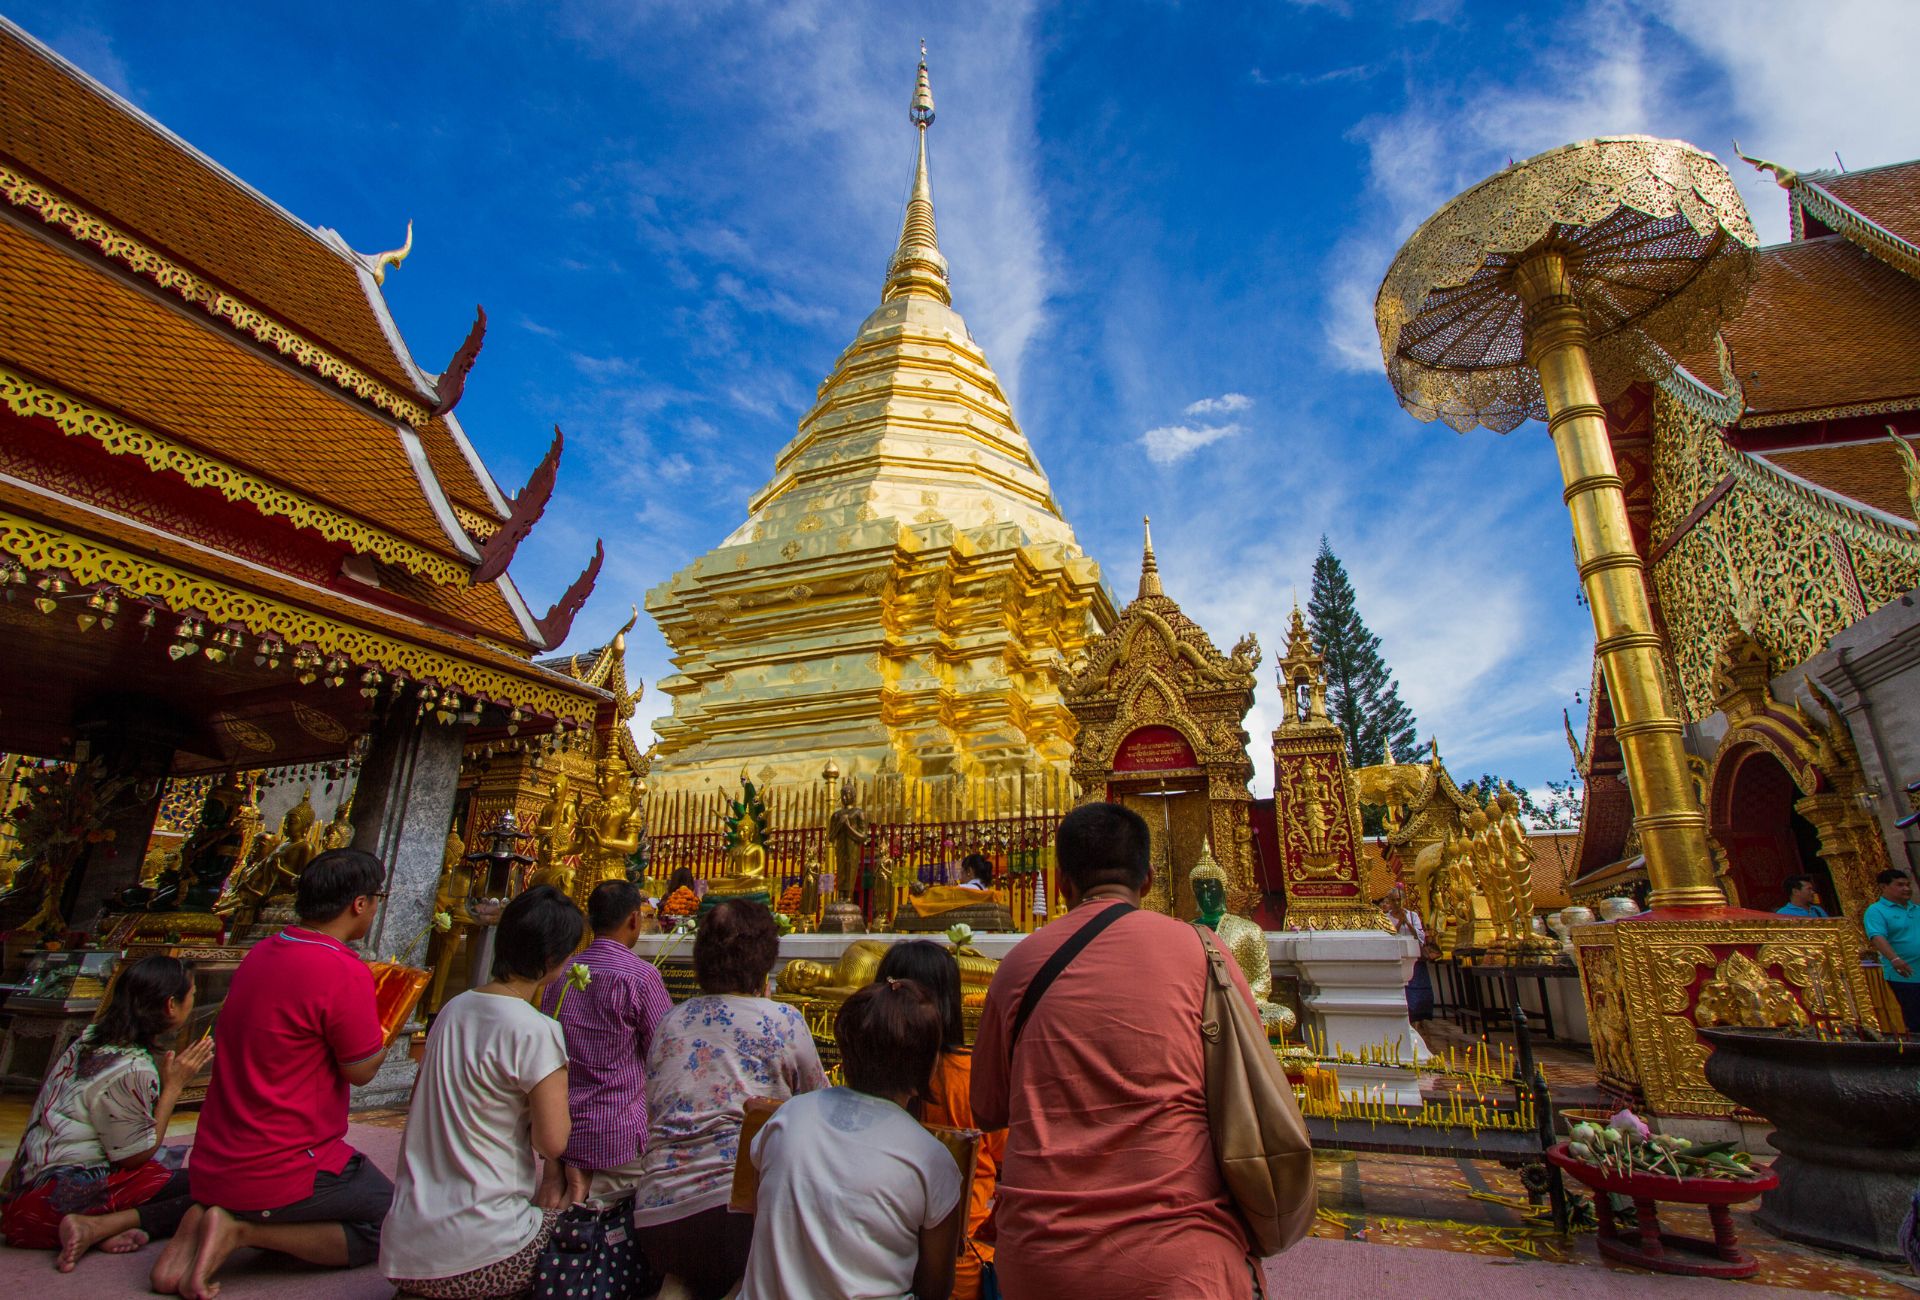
(1478, 1208)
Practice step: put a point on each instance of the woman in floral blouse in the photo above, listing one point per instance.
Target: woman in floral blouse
(709, 1055)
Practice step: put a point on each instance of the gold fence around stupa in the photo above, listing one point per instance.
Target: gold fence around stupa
(920, 828)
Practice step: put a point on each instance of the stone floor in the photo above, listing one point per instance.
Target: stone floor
(1381, 1220)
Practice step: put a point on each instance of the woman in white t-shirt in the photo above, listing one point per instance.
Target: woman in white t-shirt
(492, 1093)
(857, 1201)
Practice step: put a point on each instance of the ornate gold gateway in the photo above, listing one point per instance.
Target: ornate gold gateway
(1315, 805)
(1162, 730)
(1649, 983)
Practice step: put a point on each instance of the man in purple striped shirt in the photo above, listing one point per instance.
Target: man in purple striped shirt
(609, 1026)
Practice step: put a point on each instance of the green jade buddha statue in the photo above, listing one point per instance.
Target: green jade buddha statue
(1241, 937)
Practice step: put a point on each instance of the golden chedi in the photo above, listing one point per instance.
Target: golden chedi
(904, 594)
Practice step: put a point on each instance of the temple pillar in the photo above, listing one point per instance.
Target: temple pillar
(401, 811)
(1833, 819)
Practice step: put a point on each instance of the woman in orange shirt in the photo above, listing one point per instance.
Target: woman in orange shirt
(948, 1101)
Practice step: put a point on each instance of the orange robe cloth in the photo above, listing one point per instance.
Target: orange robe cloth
(1108, 1186)
(949, 1101)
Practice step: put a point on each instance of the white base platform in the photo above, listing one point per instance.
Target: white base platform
(1352, 984)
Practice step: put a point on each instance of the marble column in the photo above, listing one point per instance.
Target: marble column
(401, 811)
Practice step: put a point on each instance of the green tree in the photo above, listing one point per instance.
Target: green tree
(1362, 695)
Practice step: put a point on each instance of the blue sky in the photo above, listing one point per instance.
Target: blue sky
(1165, 223)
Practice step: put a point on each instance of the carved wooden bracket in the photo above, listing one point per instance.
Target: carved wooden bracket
(559, 620)
(528, 505)
(453, 380)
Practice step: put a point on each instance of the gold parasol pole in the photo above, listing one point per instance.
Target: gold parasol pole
(1611, 255)
(1673, 830)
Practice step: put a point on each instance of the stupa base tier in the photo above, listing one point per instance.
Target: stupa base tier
(1651, 980)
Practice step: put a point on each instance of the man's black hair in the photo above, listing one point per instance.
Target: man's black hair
(333, 880)
(1104, 844)
(976, 866)
(1890, 875)
(536, 930)
(611, 903)
(1794, 882)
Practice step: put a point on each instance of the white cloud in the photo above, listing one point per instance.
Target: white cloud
(1172, 443)
(1225, 404)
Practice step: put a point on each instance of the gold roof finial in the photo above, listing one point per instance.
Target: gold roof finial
(917, 266)
(379, 262)
(1149, 567)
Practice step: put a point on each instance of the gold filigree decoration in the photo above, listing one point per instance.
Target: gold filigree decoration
(318, 724)
(1659, 247)
(247, 735)
(29, 399)
(130, 252)
(40, 548)
(478, 526)
(1742, 993)
(1790, 566)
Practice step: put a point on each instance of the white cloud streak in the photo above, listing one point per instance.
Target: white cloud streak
(1225, 404)
(1172, 443)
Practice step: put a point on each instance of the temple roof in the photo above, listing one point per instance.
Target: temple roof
(1821, 363)
(101, 339)
(82, 163)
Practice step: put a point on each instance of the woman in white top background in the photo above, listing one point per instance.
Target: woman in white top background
(492, 1093)
(857, 1201)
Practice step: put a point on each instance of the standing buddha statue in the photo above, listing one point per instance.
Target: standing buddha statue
(1491, 867)
(848, 833)
(614, 835)
(1241, 937)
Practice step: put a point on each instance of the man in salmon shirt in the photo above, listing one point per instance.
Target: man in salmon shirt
(1109, 1184)
(271, 1166)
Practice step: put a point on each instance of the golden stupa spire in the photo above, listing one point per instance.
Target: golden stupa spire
(1149, 567)
(917, 266)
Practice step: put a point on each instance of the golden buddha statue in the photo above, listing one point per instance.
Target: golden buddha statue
(339, 832)
(558, 829)
(275, 871)
(848, 833)
(451, 896)
(1241, 937)
(746, 852)
(614, 835)
(856, 966)
(1490, 869)
(1519, 857)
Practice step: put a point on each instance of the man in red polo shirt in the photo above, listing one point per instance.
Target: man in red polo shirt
(270, 1164)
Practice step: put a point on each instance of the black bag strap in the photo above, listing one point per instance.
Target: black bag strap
(1062, 958)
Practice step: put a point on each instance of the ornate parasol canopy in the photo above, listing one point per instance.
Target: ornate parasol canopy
(1658, 248)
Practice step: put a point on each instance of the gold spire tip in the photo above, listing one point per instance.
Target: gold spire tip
(1149, 567)
(920, 112)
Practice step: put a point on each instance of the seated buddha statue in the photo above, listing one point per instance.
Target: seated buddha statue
(1241, 937)
(747, 868)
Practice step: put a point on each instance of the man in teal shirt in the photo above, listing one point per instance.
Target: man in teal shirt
(1803, 899)
(1893, 928)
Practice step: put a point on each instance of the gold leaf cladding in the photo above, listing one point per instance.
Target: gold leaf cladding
(75, 418)
(39, 548)
(130, 252)
(1769, 555)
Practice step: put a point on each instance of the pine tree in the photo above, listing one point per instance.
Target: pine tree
(1362, 695)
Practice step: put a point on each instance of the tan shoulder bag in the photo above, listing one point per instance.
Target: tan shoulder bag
(1259, 1138)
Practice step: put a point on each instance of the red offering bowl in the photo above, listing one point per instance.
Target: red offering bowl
(396, 991)
(1668, 1252)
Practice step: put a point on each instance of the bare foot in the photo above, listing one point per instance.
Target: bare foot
(80, 1233)
(176, 1261)
(219, 1234)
